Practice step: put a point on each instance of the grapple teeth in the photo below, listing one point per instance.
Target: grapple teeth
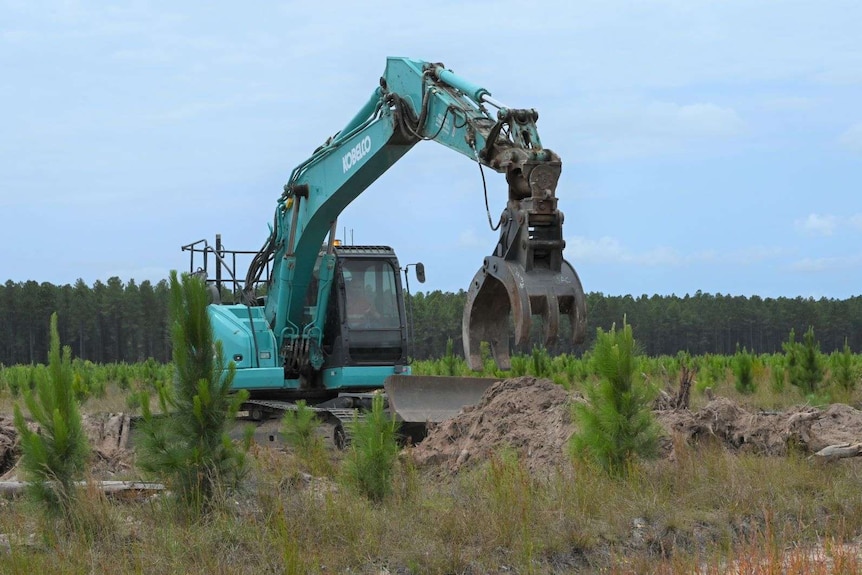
(502, 288)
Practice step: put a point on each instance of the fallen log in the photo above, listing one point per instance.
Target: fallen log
(10, 489)
(840, 450)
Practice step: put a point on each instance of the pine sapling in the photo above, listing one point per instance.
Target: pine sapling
(743, 369)
(810, 363)
(53, 457)
(844, 371)
(370, 463)
(190, 445)
(616, 425)
(299, 428)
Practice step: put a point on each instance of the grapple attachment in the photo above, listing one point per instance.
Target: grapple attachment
(526, 275)
(502, 288)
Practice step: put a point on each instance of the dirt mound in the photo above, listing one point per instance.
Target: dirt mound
(526, 414)
(8, 444)
(532, 416)
(108, 436)
(803, 428)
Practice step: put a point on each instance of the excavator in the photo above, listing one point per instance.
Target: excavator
(326, 323)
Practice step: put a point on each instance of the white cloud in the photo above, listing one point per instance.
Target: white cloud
(818, 225)
(852, 138)
(808, 265)
(660, 256)
(610, 250)
(828, 224)
(17, 36)
(470, 239)
(603, 249)
(637, 119)
(845, 75)
(788, 103)
(752, 255)
(206, 107)
(143, 56)
(743, 256)
(579, 192)
(623, 128)
(700, 120)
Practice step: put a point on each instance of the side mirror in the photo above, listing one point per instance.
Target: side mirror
(420, 272)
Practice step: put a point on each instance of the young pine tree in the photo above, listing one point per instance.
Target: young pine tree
(299, 429)
(843, 369)
(450, 361)
(743, 369)
(810, 363)
(616, 425)
(370, 463)
(792, 353)
(191, 445)
(54, 457)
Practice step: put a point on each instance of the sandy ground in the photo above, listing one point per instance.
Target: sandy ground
(533, 416)
(526, 414)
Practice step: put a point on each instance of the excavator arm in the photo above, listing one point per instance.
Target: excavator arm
(526, 273)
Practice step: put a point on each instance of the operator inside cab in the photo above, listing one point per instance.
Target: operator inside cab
(361, 311)
(370, 292)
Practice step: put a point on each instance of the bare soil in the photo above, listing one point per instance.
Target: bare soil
(108, 434)
(527, 414)
(532, 416)
(801, 428)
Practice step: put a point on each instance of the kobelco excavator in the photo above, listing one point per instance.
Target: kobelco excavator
(326, 322)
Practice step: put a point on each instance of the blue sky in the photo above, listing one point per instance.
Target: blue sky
(713, 146)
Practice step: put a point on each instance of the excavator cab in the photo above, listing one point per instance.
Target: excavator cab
(366, 322)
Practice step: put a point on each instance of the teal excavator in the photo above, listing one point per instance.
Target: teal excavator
(326, 323)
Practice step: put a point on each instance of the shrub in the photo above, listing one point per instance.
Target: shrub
(54, 457)
(792, 352)
(777, 373)
(806, 363)
(370, 462)
(190, 445)
(299, 429)
(566, 370)
(743, 369)
(843, 371)
(715, 368)
(519, 365)
(617, 423)
(450, 361)
(540, 362)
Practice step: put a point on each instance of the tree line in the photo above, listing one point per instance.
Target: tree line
(665, 325)
(120, 321)
(107, 323)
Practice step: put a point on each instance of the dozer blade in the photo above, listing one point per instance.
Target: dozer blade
(502, 287)
(432, 399)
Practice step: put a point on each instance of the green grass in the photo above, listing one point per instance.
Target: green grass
(705, 510)
(707, 507)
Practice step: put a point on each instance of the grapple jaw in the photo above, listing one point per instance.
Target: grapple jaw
(527, 274)
(502, 288)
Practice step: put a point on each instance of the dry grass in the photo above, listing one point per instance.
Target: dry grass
(706, 512)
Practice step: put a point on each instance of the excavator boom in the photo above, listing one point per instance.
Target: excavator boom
(301, 339)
